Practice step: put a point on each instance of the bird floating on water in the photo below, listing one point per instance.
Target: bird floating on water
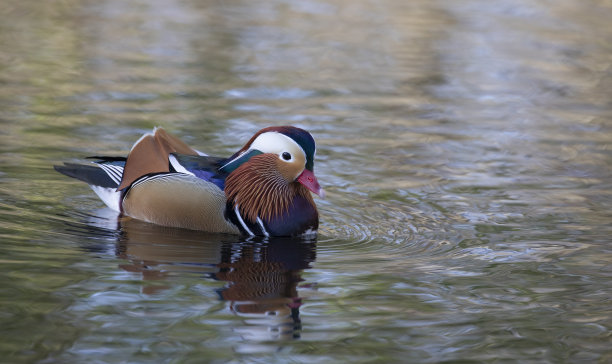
(263, 189)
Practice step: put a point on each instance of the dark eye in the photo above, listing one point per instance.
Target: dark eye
(286, 156)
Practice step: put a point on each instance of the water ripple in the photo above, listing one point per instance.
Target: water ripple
(271, 93)
(386, 228)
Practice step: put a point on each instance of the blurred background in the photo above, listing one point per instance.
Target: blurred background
(465, 146)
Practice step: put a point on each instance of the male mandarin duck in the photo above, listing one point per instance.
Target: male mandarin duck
(263, 189)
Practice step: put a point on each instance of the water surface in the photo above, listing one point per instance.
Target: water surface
(466, 148)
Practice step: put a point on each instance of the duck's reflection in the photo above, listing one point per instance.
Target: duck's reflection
(262, 275)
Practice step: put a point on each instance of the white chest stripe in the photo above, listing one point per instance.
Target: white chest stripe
(242, 221)
(261, 225)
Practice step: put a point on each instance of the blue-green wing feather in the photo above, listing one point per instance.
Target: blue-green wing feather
(204, 167)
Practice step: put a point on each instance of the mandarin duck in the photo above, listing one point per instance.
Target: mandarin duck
(263, 189)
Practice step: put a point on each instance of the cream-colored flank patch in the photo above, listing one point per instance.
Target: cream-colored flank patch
(179, 200)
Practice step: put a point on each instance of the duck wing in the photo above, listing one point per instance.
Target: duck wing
(150, 155)
(203, 167)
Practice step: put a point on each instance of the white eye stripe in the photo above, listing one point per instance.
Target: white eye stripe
(277, 143)
(274, 143)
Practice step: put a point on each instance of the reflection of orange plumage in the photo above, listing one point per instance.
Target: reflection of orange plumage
(262, 285)
(265, 286)
(262, 277)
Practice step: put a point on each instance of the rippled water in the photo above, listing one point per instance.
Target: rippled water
(466, 148)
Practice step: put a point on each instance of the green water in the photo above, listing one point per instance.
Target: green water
(465, 146)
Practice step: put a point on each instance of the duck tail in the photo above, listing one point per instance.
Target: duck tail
(103, 176)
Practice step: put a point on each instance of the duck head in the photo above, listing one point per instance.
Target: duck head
(270, 171)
